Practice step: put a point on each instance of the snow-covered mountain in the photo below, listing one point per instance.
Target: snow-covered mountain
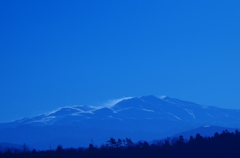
(146, 107)
(146, 117)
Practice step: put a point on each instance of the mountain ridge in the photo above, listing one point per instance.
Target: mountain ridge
(158, 116)
(145, 107)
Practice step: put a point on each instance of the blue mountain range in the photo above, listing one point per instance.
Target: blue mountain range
(138, 118)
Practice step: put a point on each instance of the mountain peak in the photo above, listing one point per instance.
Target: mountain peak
(149, 97)
(142, 107)
(143, 114)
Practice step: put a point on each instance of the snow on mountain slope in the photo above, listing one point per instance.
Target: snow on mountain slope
(146, 107)
(158, 116)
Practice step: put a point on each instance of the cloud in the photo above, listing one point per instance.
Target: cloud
(112, 102)
(162, 97)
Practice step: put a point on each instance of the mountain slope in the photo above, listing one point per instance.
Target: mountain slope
(205, 131)
(149, 117)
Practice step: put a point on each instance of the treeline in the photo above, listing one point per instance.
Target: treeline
(223, 145)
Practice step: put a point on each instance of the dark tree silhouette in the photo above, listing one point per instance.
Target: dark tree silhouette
(223, 145)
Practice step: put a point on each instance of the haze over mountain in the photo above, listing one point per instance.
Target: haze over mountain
(205, 131)
(139, 118)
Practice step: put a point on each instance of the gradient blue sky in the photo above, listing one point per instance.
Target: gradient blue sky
(61, 53)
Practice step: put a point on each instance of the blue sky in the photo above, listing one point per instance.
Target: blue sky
(62, 53)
